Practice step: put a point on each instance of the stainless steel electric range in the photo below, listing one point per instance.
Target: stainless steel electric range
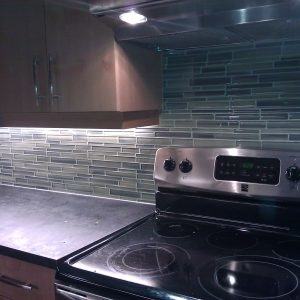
(226, 226)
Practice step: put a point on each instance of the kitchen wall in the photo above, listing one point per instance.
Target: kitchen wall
(235, 96)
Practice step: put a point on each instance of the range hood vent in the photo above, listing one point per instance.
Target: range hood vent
(174, 24)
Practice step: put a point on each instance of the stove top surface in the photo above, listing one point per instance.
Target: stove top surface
(197, 259)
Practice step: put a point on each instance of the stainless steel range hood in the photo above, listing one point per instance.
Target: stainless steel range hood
(174, 24)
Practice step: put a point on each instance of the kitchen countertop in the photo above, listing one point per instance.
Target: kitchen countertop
(44, 227)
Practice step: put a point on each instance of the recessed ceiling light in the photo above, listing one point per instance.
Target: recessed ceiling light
(133, 18)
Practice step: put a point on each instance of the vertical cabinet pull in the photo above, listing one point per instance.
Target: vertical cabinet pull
(51, 81)
(16, 283)
(36, 84)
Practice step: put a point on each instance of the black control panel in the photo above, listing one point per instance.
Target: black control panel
(248, 169)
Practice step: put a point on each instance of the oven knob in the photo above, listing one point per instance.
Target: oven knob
(169, 164)
(185, 166)
(293, 173)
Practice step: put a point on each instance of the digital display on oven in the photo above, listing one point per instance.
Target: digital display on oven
(248, 165)
(248, 169)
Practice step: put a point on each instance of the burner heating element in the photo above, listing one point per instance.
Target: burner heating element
(145, 259)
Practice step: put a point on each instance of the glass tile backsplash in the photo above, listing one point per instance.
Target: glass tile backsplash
(245, 95)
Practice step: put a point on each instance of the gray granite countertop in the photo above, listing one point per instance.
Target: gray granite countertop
(44, 227)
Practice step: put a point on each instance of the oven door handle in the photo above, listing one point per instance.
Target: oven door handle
(74, 295)
(70, 295)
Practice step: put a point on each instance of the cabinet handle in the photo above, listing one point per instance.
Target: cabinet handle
(36, 85)
(53, 95)
(16, 283)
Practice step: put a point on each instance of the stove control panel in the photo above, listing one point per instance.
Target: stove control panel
(267, 174)
(248, 169)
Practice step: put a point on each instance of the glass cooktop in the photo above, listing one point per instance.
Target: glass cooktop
(199, 260)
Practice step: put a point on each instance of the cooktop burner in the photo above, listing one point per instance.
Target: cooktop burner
(288, 250)
(174, 229)
(144, 259)
(252, 277)
(232, 239)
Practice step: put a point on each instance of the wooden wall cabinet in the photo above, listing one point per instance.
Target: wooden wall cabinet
(22, 56)
(24, 281)
(72, 72)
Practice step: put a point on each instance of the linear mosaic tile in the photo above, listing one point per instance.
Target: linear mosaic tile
(245, 95)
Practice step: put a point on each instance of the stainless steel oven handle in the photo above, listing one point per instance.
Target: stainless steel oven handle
(16, 283)
(77, 295)
(70, 295)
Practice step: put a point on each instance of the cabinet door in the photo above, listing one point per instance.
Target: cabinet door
(22, 56)
(81, 61)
